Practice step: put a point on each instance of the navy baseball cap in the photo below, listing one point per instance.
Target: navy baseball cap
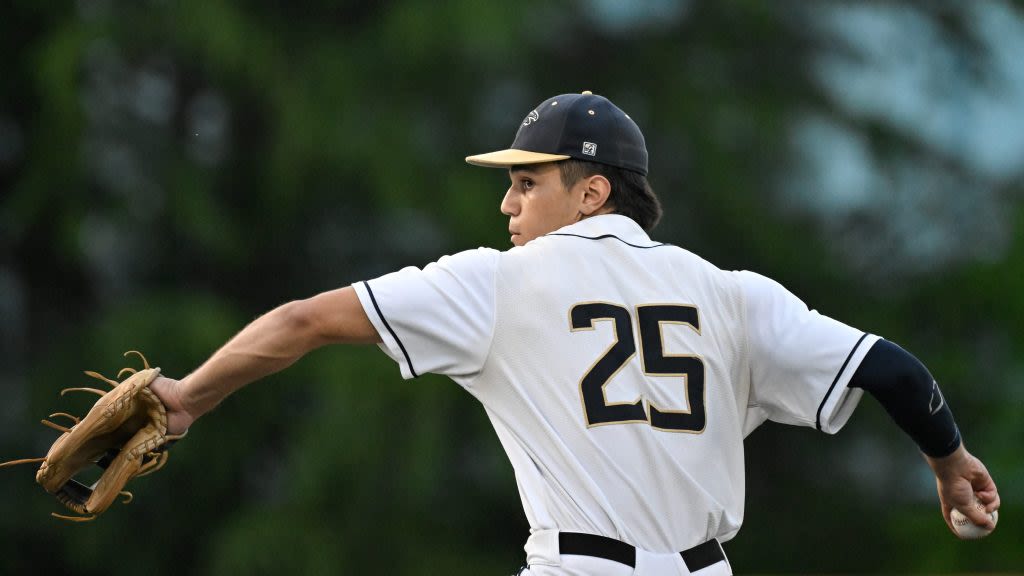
(582, 126)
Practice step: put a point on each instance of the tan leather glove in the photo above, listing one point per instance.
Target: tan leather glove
(125, 433)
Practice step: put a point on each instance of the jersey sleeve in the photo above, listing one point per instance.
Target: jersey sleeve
(437, 319)
(800, 360)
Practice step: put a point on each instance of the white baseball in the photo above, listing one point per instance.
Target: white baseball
(967, 529)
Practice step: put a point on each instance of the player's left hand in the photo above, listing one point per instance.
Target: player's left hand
(960, 478)
(168, 390)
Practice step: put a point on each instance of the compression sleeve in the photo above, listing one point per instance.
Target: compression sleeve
(910, 395)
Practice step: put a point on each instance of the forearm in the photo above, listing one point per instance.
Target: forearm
(269, 344)
(911, 396)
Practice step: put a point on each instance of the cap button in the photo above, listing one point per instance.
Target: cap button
(587, 93)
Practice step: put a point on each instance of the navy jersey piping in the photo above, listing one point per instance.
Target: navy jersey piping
(603, 236)
(390, 330)
(842, 369)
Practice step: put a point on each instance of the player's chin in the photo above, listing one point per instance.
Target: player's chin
(518, 240)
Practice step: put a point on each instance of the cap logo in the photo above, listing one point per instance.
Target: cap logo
(531, 118)
(590, 149)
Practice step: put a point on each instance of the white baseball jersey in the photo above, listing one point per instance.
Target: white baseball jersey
(620, 374)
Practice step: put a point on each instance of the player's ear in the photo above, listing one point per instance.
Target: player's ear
(596, 190)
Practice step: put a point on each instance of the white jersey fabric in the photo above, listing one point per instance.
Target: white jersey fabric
(620, 374)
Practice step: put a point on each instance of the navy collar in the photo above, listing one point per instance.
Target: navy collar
(617, 226)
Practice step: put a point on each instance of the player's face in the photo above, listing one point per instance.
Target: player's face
(537, 202)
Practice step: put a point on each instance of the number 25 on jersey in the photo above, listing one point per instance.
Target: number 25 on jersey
(655, 362)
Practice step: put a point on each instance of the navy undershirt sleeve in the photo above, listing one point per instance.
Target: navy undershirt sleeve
(907, 391)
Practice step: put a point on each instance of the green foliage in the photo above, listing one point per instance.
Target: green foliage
(187, 165)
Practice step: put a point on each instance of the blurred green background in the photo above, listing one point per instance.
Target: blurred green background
(171, 169)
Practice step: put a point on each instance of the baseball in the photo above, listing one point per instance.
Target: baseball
(967, 529)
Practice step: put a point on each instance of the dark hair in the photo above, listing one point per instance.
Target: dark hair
(631, 194)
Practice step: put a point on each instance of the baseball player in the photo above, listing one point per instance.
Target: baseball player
(621, 374)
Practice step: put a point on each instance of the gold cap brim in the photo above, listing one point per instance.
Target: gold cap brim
(513, 157)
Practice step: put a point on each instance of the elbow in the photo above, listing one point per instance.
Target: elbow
(908, 373)
(298, 319)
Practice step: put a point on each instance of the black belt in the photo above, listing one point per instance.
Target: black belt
(696, 558)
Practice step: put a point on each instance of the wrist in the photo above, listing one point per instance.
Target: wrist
(186, 401)
(944, 465)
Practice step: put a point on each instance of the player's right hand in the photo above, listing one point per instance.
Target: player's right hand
(169, 392)
(959, 479)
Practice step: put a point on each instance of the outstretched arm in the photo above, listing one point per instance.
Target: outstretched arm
(912, 398)
(269, 344)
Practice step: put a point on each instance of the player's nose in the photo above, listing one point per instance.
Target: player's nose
(509, 206)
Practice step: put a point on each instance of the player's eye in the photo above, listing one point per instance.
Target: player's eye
(526, 183)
